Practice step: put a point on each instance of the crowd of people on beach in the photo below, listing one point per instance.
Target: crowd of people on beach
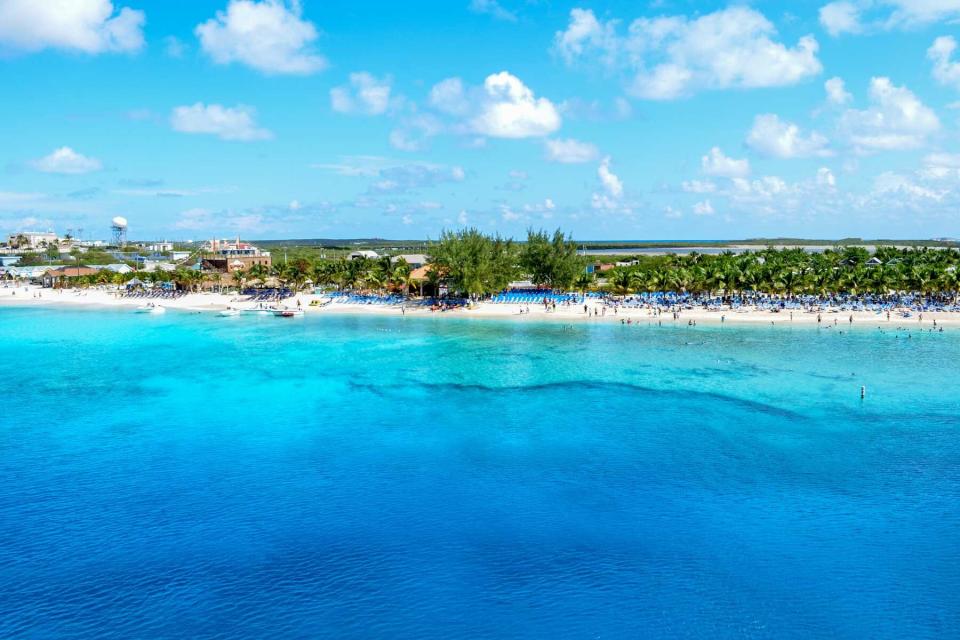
(912, 302)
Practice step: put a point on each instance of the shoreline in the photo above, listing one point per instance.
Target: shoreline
(94, 299)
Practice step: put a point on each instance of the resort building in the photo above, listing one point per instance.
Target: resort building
(227, 256)
(57, 277)
(32, 274)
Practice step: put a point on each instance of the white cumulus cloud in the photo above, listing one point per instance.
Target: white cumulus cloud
(570, 151)
(585, 34)
(772, 136)
(946, 71)
(511, 110)
(893, 184)
(871, 16)
(916, 13)
(269, 36)
(610, 181)
(449, 96)
(88, 26)
(716, 163)
(896, 119)
(703, 208)
(675, 56)
(492, 8)
(365, 94)
(836, 91)
(504, 107)
(227, 123)
(825, 178)
(66, 161)
(840, 17)
(698, 186)
(940, 166)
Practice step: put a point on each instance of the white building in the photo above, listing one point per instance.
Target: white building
(370, 255)
(32, 239)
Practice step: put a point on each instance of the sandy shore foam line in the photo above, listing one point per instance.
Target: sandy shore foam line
(215, 302)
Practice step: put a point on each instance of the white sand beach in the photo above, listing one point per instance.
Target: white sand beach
(316, 305)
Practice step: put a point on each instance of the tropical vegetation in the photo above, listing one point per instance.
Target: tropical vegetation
(469, 263)
(851, 270)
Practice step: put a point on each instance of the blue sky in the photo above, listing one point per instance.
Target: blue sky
(612, 120)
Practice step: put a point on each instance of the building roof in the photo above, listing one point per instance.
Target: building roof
(28, 272)
(118, 268)
(411, 258)
(421, 273)
(71, 272)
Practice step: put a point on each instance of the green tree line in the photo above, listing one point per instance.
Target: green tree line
(851, 270)
(473, 264)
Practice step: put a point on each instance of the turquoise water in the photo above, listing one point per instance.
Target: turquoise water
(206, 477)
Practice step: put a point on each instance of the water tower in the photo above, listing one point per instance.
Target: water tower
(118, 227)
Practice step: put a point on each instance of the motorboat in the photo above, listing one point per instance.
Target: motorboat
(287, 313)
(259, 310)
(151, 307)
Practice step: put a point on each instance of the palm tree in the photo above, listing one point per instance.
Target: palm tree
(374, 279)
(400, 278)
(620, 280)
(196, 279)
(949, 282)
(585, 282)
(239, 276)
(323, 273)
(434, 279)
(258, 272)
(182, 278)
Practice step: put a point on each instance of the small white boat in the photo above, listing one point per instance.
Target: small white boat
(151, 307)
(257, 311)
(287, 313)
(230, 312)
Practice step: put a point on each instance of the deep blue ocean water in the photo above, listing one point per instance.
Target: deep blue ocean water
(191, 476)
